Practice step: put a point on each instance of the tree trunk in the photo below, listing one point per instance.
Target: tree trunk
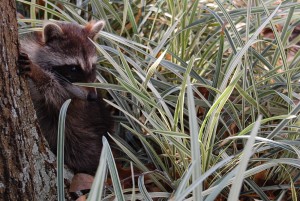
(27, 167)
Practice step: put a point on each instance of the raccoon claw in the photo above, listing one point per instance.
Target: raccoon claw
(24, 64)
(76, 195)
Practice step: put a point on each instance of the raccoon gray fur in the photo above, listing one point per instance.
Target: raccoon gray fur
(53, 59)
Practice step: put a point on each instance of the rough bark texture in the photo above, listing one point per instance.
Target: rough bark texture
(27, 167)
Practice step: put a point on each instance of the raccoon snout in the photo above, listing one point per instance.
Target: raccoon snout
(83, 93)
(92, 94)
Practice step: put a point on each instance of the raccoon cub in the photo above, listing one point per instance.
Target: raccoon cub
(53, 59)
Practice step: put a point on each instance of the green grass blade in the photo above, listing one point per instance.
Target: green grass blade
(250, 127)
(153, 67)
(98, 185)
(284, 122)
(64, 17)
(60, 150)
(143, 190)
(180, 194)
(247, 153)
(195, 145)
(240, 54)
(113, 172)
(257, 189)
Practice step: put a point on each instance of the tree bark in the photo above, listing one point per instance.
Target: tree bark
(27, 167)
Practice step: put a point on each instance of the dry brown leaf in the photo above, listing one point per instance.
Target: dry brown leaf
(81, 181)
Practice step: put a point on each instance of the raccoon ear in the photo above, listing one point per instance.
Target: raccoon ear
(95, 28)
(51, 31)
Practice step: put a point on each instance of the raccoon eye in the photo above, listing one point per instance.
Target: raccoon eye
(74, 69)
(72, 73)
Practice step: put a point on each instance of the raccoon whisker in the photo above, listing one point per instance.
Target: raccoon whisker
(61, 78)
(77, 92)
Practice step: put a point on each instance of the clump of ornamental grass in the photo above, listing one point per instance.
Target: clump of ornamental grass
(205, 97)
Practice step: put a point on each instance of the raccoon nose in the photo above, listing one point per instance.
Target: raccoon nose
(92, 95)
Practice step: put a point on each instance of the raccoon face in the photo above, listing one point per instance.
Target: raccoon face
(70, 55)
(75, 73)
(68, 74)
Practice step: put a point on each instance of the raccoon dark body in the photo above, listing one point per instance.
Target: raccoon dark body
(53, 59)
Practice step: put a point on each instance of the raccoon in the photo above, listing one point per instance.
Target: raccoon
(53, 59)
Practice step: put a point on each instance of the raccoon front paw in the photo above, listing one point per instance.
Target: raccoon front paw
(24, 64)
